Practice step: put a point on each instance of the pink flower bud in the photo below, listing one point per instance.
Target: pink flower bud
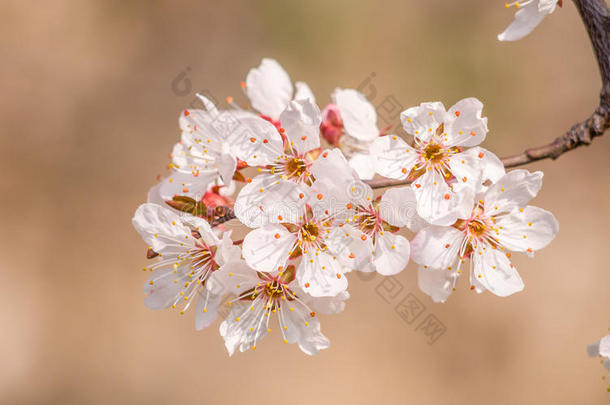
(332, 125)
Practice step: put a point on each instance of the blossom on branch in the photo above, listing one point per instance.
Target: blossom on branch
(529, 14)
(499, 223)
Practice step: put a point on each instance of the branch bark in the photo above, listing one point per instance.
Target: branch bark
(596, 18)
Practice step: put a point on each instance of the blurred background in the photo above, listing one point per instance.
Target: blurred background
(91, 92)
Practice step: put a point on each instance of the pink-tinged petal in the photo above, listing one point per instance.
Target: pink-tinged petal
(527, 18)
(423, 121)
(269, 88)
(160, 227)
(206, 309)
(320, 274)
(398, 207)
(269, 199)
(467, 127)
(301, 121)
(303, 92)
(303, 329)
(363, 164)
(437, 246)
(394, 157)
(391, 253)
(268, 248)
(493, 269)
(437, 283)
(437, 202)
(513, 190)
(256, 141)
(358, 114)
(526, 229)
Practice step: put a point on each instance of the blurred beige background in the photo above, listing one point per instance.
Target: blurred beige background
(88, 117)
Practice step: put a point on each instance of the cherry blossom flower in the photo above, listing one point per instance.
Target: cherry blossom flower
(351, 123)
(437, 164)
(269, 89)
(308, 236)
(188, 252)
(287, 171)
(499, 223)
(204, 156)
(259, 296)
(366, 239)
(529, 14)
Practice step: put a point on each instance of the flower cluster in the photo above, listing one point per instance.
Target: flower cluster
(312, 217)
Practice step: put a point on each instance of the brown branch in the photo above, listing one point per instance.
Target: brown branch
(596, 18)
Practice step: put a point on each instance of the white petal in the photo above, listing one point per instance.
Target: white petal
(363, 164)
(438, 203)
(269, 199)
(513, 190)
(398, 207)
(391, 253)
(164, 292)
(301, 120)
(243, 328)
(352, 251)
(268, 248)
(526, 19)
(226, 166)
(437, 283)
(333, 161)
(256, 141)
(495, 272)
(160, 227)
(186, 184)
(323, 305)
(437, 246)
(321, 275)
(206, 309)
(527, 229)
(303, 329)
(358, 115)
(490, 166)
(394, 158)
(604, 346)
(467, 127)
(423, 121)
(303, 92)
(234, 277)
(269, 88)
